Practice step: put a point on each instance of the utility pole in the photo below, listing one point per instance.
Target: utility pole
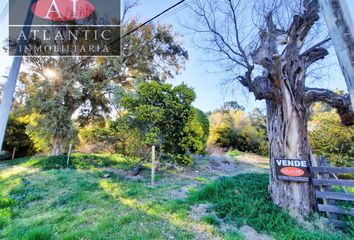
(10, 85)
(341, 30)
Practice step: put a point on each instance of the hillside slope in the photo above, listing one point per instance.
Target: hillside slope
(97, 198)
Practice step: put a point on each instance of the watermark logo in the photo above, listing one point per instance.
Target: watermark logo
(65, 28)
(63, 10)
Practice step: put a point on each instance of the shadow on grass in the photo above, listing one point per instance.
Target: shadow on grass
(77, 161)
(74, 204)
(244, 200)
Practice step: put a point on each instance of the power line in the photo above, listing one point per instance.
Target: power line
(177, 10)
(4, 11)
(165, 17)
(140, 26)
(135, 29)
(152, 19)
(8, 6)
(13, 3)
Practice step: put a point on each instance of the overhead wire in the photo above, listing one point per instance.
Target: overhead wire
(152, 19)
(135, 29)
(8, 7)
(187, 4)
(176, 8)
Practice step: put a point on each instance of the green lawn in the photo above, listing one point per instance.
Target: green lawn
(43, 199)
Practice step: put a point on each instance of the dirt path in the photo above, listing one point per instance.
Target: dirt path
(207, 169)
(176, 182)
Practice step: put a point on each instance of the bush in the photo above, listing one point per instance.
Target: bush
(4, 155)
(165, 118)
(16, 137)
(237, 130)
(115, 136)
(329, 138)
(182, 159)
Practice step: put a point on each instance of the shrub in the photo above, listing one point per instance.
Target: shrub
(237, 130)
(16, 137)
(183, 159)
(115, 136)
(328, 137)
(165, 117)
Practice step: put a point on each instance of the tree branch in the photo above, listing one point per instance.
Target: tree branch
(303, 23)
(260, 92)
(340, 102)
(315, 53)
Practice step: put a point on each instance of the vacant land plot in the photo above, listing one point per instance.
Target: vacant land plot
(95, 197)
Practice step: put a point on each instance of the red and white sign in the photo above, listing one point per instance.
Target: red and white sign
(292, 170)
(63, 10)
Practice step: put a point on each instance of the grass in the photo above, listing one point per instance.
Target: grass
(234, 153)
(77, 161)
(243, 200)
(42, 198)
(347, 206)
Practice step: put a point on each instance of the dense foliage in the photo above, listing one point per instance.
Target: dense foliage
(63, 95)
(117, 136)
(16, 138)
(330, 138)
(234, 129)
(164, 116)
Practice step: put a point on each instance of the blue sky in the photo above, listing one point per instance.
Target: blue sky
(204, 77)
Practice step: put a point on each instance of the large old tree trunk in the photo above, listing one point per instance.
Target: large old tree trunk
(284, 52)
(56, 147)
(287, 133)
(288, 101)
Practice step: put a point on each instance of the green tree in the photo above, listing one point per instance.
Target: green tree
(329, 138)
(117, 136)
(235, 129)
(203, 119)
(16, 138)
(54, 100)
(231, 105)
(165, 117)
(86, 92)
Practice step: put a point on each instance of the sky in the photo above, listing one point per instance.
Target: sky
(205, 78)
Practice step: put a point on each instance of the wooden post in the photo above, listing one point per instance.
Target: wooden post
(321, 162)
(13, 153)
(340, 27)
(153, 165)
(69, 152)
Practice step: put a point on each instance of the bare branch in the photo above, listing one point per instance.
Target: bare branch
(257, 86)
(340, 102)
(303, 23)
(315, 53)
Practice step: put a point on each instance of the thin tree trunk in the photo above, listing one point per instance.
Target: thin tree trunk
(56, 147)
(287, 132)
(69, 153)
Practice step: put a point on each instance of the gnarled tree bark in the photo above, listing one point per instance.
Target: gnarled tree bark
(281, 85)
